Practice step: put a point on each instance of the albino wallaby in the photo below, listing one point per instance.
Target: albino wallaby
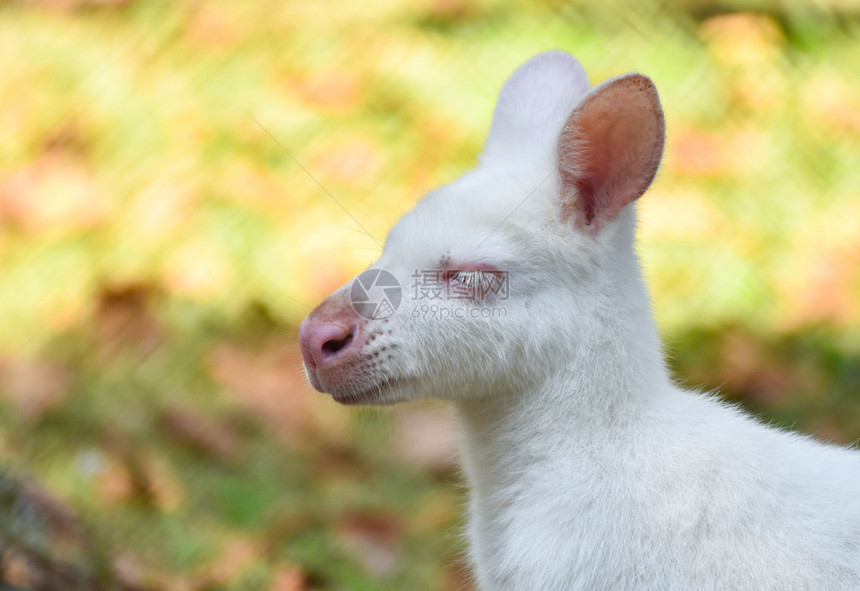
(523, 302)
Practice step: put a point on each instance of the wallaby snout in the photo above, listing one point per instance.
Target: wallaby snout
(330, 339)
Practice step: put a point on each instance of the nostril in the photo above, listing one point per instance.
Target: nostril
(324, 342)
(334, 346)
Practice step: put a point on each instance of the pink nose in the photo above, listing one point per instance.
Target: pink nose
(323, 341)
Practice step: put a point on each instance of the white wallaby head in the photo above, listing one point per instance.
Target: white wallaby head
(517, 264)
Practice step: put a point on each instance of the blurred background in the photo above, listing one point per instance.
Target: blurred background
(160, 242)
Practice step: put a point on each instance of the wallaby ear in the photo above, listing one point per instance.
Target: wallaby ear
(610, 148)
(533, 105)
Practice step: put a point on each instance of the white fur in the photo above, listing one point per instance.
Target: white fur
(589, 469)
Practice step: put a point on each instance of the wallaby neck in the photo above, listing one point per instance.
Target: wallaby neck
(603, 385)
(562, 437)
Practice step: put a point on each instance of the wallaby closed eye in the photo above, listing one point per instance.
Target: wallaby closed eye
(475, 284)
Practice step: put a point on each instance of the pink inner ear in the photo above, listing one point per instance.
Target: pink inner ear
(610, 148)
